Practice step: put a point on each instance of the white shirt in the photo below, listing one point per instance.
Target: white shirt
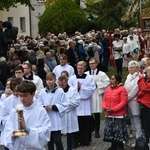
(58, 69)
(117, 44)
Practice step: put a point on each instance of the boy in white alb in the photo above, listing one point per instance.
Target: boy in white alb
(35, 122)
(53, 99)
(69, 120)
(85, 85)
(8, 104)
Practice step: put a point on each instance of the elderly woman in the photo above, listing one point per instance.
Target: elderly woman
(143, 98)
(114, 104)
(132, 90)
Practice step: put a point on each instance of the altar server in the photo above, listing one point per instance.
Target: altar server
(101, 81)
(70, 120)
(35, 122)
(85, 85)
(8, 104)
(53, 99)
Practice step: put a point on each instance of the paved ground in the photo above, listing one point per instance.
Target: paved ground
(96, 144)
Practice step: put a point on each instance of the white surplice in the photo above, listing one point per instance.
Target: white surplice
(6, 107)
(70, 120)
(37, 121)
(54, 98)
(102, 81)
(86, 92)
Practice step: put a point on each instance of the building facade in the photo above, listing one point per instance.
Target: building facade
(24, 18)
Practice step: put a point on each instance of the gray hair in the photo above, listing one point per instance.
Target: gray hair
(48, 53)
(134, 63)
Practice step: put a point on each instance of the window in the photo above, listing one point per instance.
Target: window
(22, 24)
(10, 19)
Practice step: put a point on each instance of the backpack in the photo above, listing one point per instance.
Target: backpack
(90, 51)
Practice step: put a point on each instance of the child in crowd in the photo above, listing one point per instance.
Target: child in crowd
(53, 99)
(70, 119)
(35, 122)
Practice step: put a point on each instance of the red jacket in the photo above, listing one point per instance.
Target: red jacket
(144, 92)
(116, 99)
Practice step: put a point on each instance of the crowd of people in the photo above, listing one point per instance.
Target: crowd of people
(62, 83)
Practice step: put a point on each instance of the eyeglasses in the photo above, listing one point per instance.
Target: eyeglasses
(92, 63)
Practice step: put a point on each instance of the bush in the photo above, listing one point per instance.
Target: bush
(62, 16)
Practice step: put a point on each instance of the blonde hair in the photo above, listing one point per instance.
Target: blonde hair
(50, 75)
(81, 63)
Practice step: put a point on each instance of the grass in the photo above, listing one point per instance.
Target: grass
(112, 72)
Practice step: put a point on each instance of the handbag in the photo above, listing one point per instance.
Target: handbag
(141, 143)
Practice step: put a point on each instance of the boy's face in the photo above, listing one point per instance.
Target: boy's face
(63, 61)
(62, 84)
(27, 70)
(93, 64)
(26, 98)
(8, 92)
(50, 82)
(15, 91)
(19, 74)
(80, 69)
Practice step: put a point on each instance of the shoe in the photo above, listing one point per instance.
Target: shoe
(97, 135)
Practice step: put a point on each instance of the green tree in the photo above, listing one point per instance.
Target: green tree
(6, 4)
(107, 14)
(62, 16)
